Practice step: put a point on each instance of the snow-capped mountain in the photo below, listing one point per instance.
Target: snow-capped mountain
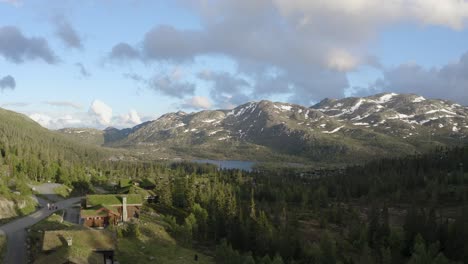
(338, 130)
(400, 114)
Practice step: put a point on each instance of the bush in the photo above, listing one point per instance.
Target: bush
(133, 230)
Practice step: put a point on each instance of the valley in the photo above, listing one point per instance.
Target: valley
(332, 131)
(234, 132)
(344, 181)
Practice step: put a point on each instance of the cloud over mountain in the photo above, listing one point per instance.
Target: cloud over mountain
(449, 81)
(197, 102)
(309, 46)
(102, 112)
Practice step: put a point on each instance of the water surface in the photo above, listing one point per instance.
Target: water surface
(230, 164)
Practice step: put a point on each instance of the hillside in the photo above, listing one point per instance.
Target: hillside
(333, 130)
(27, 149)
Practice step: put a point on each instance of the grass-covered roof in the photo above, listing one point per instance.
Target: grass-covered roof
(111, 199)
(94, 240)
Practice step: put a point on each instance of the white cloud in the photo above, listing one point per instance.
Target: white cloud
(198, 102)
(132, 118)
(43, 120)
(449, 13)
(449, 81)
(341, 60)
(102, 112)
(56, 122)
(99, 116)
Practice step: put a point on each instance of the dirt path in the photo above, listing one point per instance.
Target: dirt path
(16, 231)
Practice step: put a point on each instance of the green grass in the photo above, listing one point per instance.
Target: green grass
(88, 239)
(155, 245)
(109, 199)
(36, 232)
(125, 183)
(62, 191)
(53, 222)
(83, 241)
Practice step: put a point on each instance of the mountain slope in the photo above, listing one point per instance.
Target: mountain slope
(26, 148)
(351, 129)
(402, 115)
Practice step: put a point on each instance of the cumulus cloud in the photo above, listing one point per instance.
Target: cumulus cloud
(83, 71)
(449, 13)
(101, 112)
(66, 33)
(197, 102)
(130, 119)
(17, 48)
(56, 122)
(123, 51)
(7, 82)
(312, 43)
(172, 83)
(43, 120)
(449, 81)
(341, 60)
(227, 90)
(98, 116)
(64, 104)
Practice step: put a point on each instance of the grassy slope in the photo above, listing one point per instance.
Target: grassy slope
(154, 242)
(156, 246)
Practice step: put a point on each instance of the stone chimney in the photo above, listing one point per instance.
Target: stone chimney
(124, 209)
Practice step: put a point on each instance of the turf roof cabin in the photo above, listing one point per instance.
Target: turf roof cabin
(110, 209)
(77, 247)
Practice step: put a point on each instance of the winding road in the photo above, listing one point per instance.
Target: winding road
(16, 230)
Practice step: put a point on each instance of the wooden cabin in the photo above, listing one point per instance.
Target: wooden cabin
(110, 209)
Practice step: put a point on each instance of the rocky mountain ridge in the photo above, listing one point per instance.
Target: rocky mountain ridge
(378, 125)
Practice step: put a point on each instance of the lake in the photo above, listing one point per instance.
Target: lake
(229, 164)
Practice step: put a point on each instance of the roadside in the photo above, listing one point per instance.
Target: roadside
(3, 244)
(16, 231)
(48, 191)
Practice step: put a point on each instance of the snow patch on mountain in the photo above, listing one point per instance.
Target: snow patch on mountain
(419, 99)
(333, 131)
(386, 98)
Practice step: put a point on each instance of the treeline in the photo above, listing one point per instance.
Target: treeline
(267, 216)
(29, 152)
(272, 216)
(287, 217)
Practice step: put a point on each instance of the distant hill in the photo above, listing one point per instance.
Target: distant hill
(346, 130)
(24, 142)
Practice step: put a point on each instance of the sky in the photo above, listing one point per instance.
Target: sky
(104, 63)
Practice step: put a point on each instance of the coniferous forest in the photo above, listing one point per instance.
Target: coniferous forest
(405, 210)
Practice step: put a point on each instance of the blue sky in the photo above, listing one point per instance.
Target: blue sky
(117, 63)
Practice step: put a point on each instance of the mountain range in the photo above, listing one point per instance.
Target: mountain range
(349, 129)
